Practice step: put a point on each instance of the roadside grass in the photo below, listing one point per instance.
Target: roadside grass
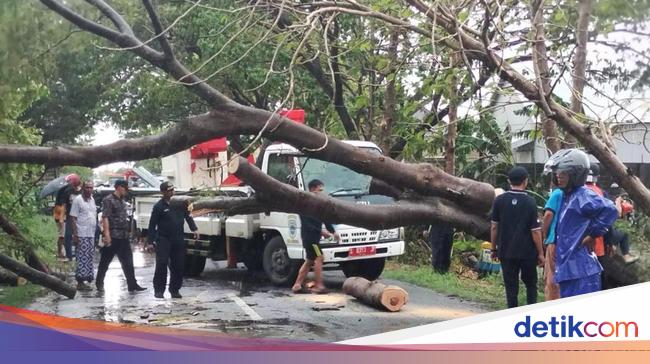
(488, 291)
(20, 296)
(41, 230)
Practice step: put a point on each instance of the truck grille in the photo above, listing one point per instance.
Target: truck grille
(359, 237)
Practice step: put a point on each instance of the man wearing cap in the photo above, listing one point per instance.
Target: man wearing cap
(115, 223)
(516, 237)
(166, 228)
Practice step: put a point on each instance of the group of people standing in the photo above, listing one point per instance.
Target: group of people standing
(574, 234)
(77, 204)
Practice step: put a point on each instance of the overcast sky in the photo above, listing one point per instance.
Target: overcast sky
(106, 134)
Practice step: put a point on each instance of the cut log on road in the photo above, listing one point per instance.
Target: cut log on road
(10, 278)
(376, 294)
(37, 277)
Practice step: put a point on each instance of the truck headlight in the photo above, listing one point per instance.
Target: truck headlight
(392, 234)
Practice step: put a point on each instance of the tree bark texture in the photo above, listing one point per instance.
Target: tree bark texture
(30, 256)
(540, 64)
(379, 295)
(452, 125)
(237, 119)
(579, 64)
(10, 278)
(390, 99)
(414, 209)
(37, 277)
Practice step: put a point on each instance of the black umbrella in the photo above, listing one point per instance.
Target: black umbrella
(54, 186)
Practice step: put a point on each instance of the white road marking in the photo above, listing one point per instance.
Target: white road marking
(246, 308)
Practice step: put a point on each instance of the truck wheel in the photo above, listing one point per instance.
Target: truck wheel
(369, 269)
(194, 265)
(278, 267)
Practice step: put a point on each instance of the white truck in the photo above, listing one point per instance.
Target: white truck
(271, 241)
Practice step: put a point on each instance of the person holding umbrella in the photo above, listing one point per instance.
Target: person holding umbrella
(62, 207)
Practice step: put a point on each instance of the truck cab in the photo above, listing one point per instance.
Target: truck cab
(271, 241)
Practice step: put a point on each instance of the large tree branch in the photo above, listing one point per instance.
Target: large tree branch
(158, 28)
(113, 16)
(23, 244)
(389, 117)
(580, 59)
(181, 136)
(224, 204)
(335, 93)
(37, 277)
(277, 196)
(474, 49)
(234, 119)
(40, 275)
(82, 22)
(540, 64)
(272, 195)
(174, 68)
(333, 88)
(579, 64)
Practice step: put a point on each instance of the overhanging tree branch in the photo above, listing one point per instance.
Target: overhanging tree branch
(285, 198)
(158, 28)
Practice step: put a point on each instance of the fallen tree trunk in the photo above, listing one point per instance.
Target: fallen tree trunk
(37, 277)
(30, 257)
(391, 298)
(228, 205)
(7, 277)
(229, 118)
(272, 195)
(277, 196)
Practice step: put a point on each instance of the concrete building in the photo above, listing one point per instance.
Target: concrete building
(631, 140)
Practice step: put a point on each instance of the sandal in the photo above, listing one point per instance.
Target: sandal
(299, 291)
(302, 289)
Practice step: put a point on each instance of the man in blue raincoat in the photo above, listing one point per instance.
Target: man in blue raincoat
(583, 217)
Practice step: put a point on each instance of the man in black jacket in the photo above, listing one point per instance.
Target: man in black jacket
(166, 227)
(311, 231)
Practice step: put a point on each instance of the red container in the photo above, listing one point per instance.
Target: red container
(297, 115)
(209, 148)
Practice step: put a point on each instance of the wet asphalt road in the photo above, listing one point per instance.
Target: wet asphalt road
(235, 302)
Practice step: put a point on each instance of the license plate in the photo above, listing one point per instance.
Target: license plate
(362, 251)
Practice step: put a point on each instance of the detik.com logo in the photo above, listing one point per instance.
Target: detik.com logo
(568, 326)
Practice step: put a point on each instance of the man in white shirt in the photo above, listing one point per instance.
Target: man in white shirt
(84, 222)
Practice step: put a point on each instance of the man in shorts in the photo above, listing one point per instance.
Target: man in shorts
(311, 231)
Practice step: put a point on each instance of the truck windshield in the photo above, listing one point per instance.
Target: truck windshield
(338, 180)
